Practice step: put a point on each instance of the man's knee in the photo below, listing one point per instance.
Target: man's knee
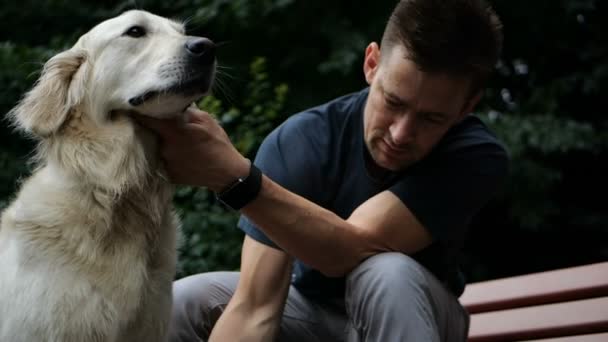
(391, 297)
(204, 290)
(387, 294)
(385, 271)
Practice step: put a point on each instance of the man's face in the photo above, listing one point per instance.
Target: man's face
(408, 111)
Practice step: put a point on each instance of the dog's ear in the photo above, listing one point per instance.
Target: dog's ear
(61, 86)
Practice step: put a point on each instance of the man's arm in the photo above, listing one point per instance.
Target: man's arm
(325, 241)
(303, 229)
(254, 312)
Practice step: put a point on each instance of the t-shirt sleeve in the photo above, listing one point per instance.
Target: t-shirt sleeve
(447, 190)
(292, 156)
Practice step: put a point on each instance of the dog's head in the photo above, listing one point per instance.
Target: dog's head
(134, 62)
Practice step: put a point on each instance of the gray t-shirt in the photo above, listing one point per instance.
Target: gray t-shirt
(320, 154)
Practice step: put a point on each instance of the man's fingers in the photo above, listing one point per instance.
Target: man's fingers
(193, 119)
(194, 115)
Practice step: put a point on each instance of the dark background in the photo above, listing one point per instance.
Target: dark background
(546, 101)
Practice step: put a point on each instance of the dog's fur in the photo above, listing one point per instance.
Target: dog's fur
(87, 247)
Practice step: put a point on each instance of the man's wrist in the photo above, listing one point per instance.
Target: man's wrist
(238, 169)
(242, 190)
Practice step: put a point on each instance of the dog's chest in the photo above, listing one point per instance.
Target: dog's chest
(109, 251)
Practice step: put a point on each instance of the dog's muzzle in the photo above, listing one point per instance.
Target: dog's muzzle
(197, 72)
(201, 51)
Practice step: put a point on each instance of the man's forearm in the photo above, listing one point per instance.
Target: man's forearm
(255, 310)
(242, 323)
(307, 231)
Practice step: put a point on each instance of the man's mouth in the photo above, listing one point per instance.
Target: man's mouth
(393, 150)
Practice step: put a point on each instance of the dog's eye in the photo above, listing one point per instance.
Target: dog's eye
(135, 32)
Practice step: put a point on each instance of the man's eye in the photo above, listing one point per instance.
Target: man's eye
(135, 32)
(391, 103)
(433, 119)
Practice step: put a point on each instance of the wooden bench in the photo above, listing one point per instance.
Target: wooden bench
(564, 305)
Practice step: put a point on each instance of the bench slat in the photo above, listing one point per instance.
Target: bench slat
(601, 337)
(537, 288)
(551, 320)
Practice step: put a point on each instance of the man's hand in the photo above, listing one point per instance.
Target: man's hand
(196, 150)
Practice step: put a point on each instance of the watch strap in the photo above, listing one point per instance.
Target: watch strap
(242, 190)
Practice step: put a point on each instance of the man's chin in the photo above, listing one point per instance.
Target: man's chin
(389, 165)
(392, 163)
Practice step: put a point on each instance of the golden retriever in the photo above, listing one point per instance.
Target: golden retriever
(87, 247)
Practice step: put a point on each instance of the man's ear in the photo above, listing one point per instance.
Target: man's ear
(371, 62)
(61, 86)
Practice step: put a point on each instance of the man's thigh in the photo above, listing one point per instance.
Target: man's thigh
(391, 297)
(306, 320)
(198, 301)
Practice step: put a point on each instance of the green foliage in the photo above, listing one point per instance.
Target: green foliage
(261, 109)
(534, 142)
(211, 239)
(545, 134)
(545, 101)
(20, 66)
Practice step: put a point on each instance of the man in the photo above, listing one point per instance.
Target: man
(354, 223)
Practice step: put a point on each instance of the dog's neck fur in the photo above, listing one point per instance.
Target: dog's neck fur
(110, 178)
(93, 159)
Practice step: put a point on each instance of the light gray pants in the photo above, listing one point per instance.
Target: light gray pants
(389, 298)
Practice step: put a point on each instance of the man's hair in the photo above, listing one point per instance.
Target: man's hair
(461, 38)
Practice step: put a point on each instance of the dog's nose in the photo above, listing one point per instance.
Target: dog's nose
(202, 49)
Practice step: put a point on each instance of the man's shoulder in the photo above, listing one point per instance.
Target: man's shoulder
(471, 132)
(337, 110)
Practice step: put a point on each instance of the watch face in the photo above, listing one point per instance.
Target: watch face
(242, 191)
(231, 186)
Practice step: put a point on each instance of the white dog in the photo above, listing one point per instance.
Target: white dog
(87, 247)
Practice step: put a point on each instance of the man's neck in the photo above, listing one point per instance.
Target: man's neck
(374, 171)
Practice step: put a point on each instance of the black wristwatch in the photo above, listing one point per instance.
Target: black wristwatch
(242, 190)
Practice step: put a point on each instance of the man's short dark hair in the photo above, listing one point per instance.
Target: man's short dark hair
(455, 37)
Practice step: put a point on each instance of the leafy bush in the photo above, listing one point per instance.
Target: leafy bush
(536, 144)
(548, 87)
(211, 239)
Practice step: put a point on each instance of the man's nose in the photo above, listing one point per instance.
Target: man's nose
(403, 129)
